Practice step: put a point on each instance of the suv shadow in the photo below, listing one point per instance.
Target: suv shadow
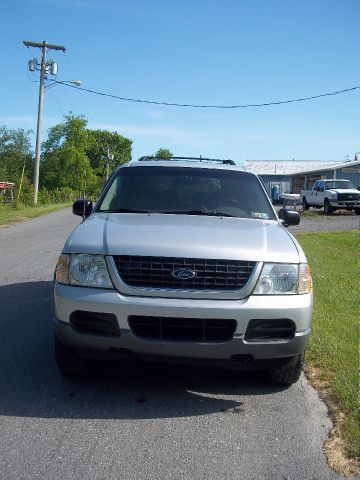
(30, 385)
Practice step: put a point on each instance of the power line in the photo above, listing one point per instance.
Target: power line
(249, 105)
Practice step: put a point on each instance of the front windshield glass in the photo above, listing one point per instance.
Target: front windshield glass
(346, 184)
(186, 191)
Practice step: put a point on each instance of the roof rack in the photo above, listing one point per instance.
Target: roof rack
(191, 159)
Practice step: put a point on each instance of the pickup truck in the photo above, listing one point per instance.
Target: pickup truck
(332, 195)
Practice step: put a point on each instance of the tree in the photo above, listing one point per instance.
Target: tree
(15, 152)
(64, 161)
(99, 143)
(163, 153)
(69, 167)
(75, 156)
(72, 131)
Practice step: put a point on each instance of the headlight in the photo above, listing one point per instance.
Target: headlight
(283, 279)
(83, 270)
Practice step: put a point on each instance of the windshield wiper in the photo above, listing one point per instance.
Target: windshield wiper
(125, 210)
(209, 213)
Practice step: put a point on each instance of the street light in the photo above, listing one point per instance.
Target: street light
(77, 83)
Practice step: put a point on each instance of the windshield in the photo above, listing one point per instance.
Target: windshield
(339, 184)
(186, 191)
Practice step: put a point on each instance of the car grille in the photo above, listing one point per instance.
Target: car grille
(348, 196)
(182, 329)
(157, 272)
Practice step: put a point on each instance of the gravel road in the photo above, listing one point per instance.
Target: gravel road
(326, 223)
(139, 421)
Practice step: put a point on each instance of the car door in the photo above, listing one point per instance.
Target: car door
(320, 193)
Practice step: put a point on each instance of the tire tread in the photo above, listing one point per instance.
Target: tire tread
(68, 363)
(288, 374)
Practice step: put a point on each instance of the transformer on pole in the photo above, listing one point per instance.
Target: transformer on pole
(45, 68)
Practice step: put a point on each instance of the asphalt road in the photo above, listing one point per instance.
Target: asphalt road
(142, 421)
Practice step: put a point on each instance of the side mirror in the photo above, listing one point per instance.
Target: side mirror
(289, 217)
(82, 207)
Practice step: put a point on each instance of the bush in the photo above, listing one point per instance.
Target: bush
(45, 196)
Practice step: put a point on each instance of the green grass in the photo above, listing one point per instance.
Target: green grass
(334, 344)
(11, 214)
(316, 213)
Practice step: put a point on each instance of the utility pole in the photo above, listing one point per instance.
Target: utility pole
(44, 69)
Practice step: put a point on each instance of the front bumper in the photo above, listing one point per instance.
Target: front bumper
(297, 308)
(346, 204)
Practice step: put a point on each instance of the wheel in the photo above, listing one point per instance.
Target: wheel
(357, 211)
(305, 205)
(288, 374)
(68, 362)
(327, 207)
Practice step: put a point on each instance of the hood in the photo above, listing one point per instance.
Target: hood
(184, 236)
(350, 191)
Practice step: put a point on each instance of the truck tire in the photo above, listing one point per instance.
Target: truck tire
(305, 205)
(68, 362)
(288, 374)
(327, 207)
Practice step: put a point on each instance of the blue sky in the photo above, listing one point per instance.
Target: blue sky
(202, 52)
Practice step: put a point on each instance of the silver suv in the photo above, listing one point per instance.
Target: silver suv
(183, 260)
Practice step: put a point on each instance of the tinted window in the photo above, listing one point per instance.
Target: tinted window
(187, 191)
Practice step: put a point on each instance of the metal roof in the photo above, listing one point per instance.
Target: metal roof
(336, 166)
(290, 167)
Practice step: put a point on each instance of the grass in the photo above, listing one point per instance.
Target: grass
(10, 214)
(333, 347)
(319, 213)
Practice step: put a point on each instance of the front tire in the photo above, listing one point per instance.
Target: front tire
(327, 207)
(68, 362)
(288, 374)
(305, 205)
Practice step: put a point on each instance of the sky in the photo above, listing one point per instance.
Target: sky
(196, 52)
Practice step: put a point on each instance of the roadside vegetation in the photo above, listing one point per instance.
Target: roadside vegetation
(332, 354)
(319, 213)
(75, 162)
(12, 214)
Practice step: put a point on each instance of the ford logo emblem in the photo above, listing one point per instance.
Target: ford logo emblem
(183, 273)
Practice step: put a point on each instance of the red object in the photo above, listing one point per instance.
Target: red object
(6, 185)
